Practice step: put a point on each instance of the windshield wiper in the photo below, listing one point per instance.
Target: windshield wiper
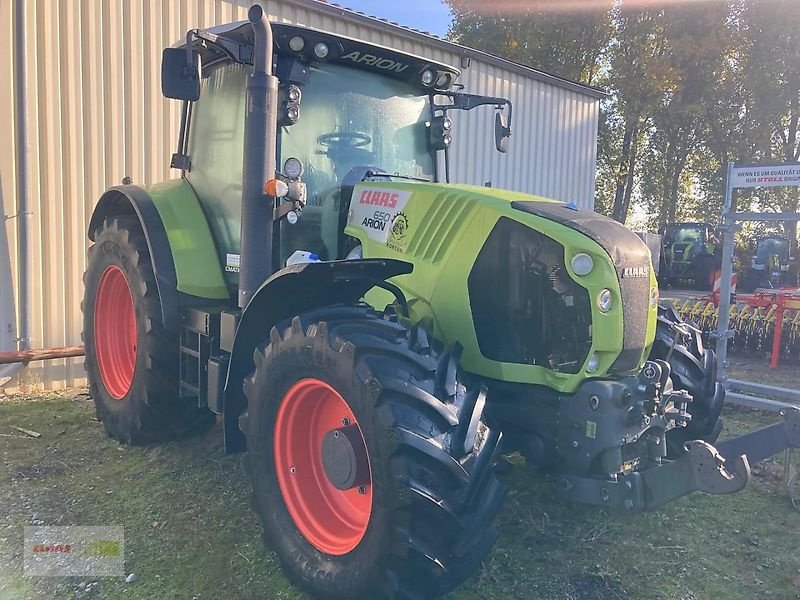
(373, 174)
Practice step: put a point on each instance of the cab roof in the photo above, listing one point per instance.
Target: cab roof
(233, 42)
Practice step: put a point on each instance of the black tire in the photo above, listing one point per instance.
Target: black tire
(693, 369)
(150, 411)
(750, 280)
(663, 277)
(434, 502)
(703, 269)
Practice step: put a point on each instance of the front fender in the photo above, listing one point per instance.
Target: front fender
(289, 292)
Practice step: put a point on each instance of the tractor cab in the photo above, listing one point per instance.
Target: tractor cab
(771, 264)
(688, 253)
(347, 111)
(772, 253)
(685, 240)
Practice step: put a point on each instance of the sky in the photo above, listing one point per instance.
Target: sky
(427, 15)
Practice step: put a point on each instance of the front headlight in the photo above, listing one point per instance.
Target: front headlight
(582, 264)
(605, 300)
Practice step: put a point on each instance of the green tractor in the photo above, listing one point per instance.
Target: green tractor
(771, 265)
(690, 252)
(420, 331)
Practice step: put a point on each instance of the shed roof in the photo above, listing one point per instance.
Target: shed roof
(433, 40)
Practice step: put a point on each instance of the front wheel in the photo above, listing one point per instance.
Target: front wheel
(371, 465)
(693, 369)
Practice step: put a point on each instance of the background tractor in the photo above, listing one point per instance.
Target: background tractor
(427, 329)
(690, 253)
(771, 266)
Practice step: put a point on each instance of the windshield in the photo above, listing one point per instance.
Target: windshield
(687, 234)
(350, 118)
(772, 246)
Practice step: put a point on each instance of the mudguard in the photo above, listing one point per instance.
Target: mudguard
(124, 199)
(182, 250)
(289, 292)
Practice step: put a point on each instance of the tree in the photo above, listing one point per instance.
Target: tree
(639, 76)
(568, 43)
(698, 38)
(772, 73)
(693, 86)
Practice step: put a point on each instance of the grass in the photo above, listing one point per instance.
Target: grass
(190, 534)
(758, 370)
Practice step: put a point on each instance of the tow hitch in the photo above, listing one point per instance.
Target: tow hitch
(704, 468)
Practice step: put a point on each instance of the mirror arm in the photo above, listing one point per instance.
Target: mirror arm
(180, 160)
(190, 46)
(238, 53)
(463, 101)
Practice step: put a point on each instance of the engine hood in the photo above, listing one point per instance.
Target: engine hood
(443, 230)
(631, 259)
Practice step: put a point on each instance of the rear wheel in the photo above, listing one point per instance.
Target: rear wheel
(371, 465)
(131, 360)
(693, 369)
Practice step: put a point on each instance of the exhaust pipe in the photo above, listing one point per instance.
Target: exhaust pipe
(261, 123)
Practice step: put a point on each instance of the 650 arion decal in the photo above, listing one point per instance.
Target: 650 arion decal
(374, 209)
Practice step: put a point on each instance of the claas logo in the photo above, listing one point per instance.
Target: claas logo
(379, 198)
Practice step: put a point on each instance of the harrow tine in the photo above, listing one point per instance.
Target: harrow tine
(697, 310)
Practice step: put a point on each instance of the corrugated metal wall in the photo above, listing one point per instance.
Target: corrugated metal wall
(95, 115)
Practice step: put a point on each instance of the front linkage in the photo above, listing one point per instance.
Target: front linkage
(704, 468)
(633, 429)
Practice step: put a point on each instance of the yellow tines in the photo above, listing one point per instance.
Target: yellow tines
(714, 322)
(708, 317)
(697, 310)
(794, 330)
(742, 318)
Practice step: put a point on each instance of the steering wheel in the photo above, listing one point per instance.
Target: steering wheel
(344, 139)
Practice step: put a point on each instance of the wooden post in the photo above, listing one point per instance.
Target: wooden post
(24, 356)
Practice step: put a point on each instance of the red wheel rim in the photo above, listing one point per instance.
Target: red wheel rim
(333, 521)
(115, 332)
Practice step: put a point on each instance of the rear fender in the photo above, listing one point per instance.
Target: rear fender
(131, 199)
(289, 292)
(182, 250)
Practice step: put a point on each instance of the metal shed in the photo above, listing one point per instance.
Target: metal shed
(83, 110)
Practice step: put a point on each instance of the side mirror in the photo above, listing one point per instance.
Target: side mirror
(502, 132)
(180, 74)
